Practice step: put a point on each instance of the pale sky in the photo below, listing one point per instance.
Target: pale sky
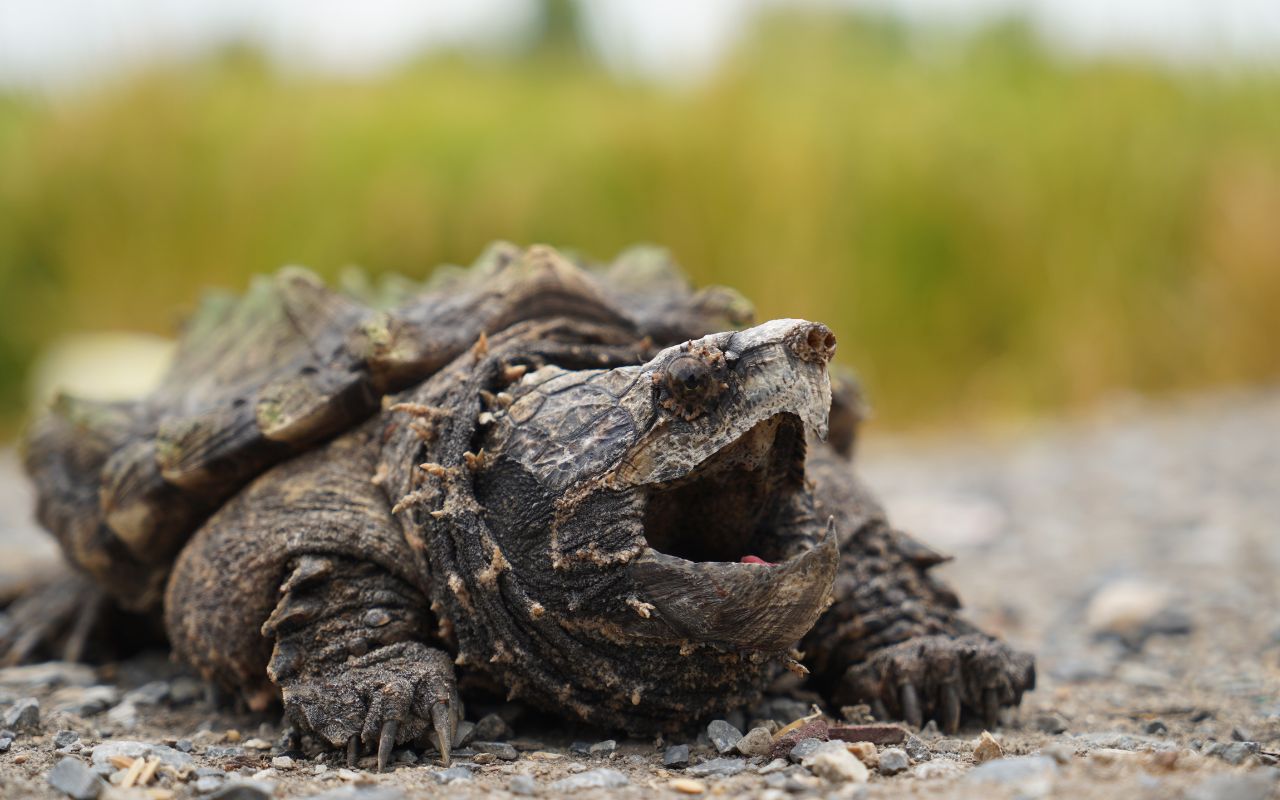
(54, 43)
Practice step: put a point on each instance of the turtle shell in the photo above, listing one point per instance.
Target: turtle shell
(292, 363)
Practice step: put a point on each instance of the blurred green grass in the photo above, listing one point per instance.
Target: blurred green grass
(991, 231)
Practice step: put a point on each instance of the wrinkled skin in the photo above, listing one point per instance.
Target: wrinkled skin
(599, 504)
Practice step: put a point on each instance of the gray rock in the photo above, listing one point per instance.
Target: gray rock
(1049, 723)
(603, 748)
(5, 742)
(1028, 775)
(49, 674)
(65, 738)
(361, 792)
(24, 715)
(804, 748)
(210, 772)
(917, 749)
(1122, 741)
(893, 760)
(72, 777)
(183, 746)
(84, 701)
(207, 784)
(1249, 786)
(718, 767)
(677, 755)
(224, 751)
(524, 785)
(244, 790)
(452, 774)
(723, 736)
(1237, 752)
(148, 694)
(502, 750)
(1157, 728)
(124, 715)
(102, 754)
(591, 779)
(581, 748)
(756, 742)
(773, 766)
(185, 690)
(491, 728)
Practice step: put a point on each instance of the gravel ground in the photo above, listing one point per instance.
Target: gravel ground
(1135, 551)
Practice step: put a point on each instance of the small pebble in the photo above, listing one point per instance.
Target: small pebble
(491, 728)
(282, 762)
(484, 758)
(833, 762)
(721, 767)
(865, 751)
(244, 790)
(773, 766)
(677, 755)
(524, 785)
(1157, 728)
(1049, 723)
(602, 748)
(5, 742)
(893, 760)
(687, 786)
(987, 748)
(348, 775)
(580, 748)
(591, 779)
(72, 777)
(756, 742)
(804, 748)
(500, 750)
(65, 738)
(24, 715)
(917, 749)
(723, 736)
(207, 784)
(183, 746)
(452, 774)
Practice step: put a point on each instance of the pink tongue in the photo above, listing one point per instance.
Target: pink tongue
(756, 560)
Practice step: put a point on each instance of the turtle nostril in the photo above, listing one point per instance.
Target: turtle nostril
(814, 343)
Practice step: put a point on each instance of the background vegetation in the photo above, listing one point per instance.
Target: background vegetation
(988, 228)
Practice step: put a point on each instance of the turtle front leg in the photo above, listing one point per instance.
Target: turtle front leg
(350, 661)
(894, 637)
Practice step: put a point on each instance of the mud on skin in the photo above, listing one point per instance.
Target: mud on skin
(595, 489)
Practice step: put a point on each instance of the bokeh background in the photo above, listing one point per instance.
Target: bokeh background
(1004, 209)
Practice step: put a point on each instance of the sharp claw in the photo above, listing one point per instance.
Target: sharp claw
(950, 708)
(911, 706)
(442, 721)
(353, 749)
(386, 741)
(990, 707)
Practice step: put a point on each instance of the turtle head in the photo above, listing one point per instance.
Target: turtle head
(659, 513)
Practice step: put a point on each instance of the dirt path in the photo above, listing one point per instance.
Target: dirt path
(1136, 552)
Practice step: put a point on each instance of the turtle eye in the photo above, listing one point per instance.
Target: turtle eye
(688, 378)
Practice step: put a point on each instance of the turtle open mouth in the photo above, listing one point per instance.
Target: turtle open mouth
(735, 556)
(742, 504)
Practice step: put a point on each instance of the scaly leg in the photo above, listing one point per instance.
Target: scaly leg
(894, 638)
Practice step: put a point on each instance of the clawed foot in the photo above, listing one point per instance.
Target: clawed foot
(392, 695)
(946, 679)
(52, 619)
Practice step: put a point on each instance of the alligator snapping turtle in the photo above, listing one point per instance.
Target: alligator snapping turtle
(592, 489)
